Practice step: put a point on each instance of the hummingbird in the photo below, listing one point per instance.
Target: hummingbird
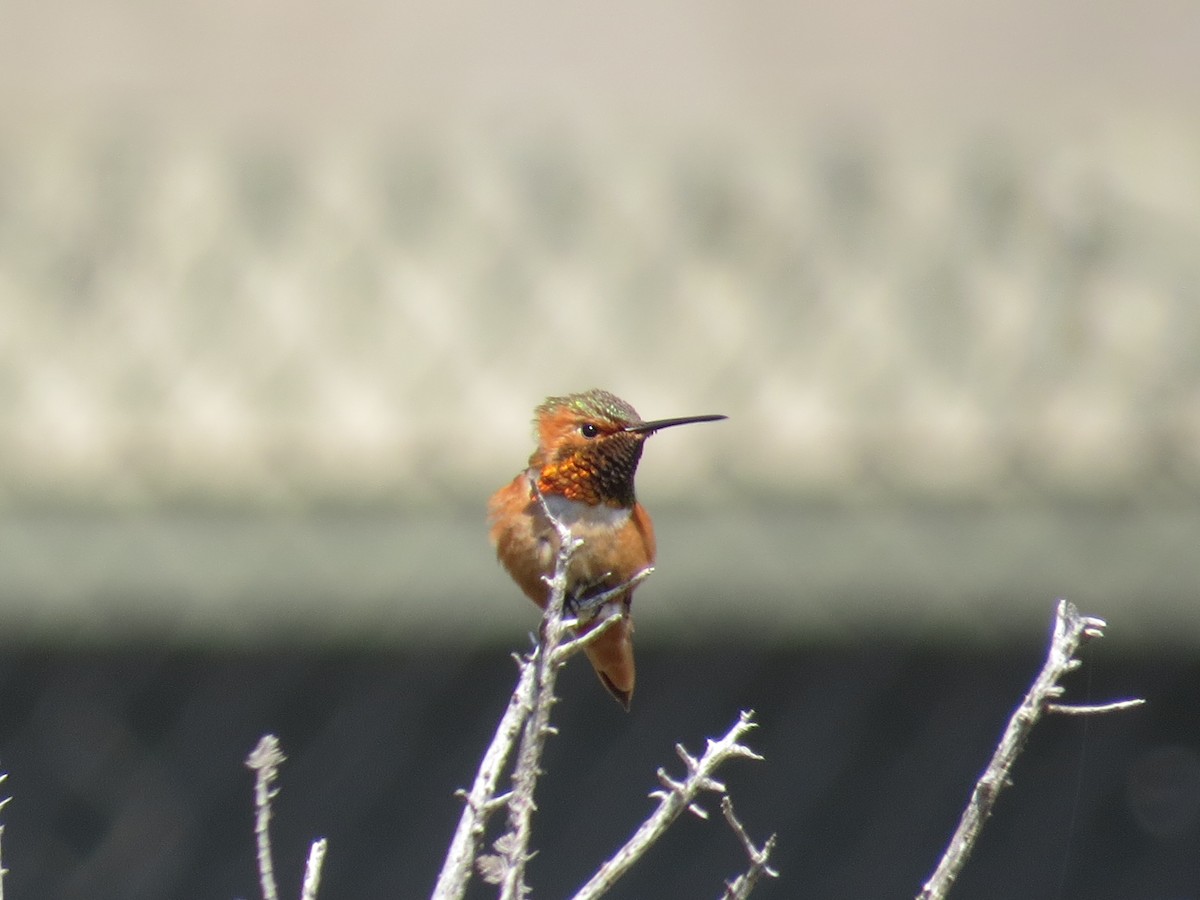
(588, 448)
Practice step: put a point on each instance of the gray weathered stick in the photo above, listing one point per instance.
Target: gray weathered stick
(673, 800)
(740, 887)
(1071, 629)
(482, 800)
(264, 760)
(312, 869)
(515, 844)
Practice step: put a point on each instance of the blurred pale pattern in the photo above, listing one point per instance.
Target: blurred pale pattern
(372, 323)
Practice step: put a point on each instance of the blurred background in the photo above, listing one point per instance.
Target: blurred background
(281, 284)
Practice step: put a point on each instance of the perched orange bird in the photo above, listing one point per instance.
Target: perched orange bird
(588, 449)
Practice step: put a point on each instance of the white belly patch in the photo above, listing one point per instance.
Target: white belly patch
(573, 514)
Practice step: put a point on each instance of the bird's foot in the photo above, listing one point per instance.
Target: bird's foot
(586, 605)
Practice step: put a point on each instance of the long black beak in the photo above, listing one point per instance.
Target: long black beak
(659, 424)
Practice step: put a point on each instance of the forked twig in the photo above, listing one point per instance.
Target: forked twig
(482, 799)
(529, 713)
(1071, 629)
(675, 797)
(740, 887)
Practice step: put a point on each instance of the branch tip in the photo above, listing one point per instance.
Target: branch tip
(267, 755)
(312, 869)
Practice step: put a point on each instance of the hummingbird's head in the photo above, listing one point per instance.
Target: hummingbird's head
(589, 445)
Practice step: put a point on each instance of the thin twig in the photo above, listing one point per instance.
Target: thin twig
(1079, 709)
(740, 887)
(265, 760)
(482, 799)
(312, 869)
(673, 800)
(1071, 629)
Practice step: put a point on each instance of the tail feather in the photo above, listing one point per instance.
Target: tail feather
(611, 655)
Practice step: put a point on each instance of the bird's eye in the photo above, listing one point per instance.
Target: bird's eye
(589, 430)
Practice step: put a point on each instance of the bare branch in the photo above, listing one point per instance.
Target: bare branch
(515, 847)
(740, 887)
(1071, 630)
(265, 760)
(482, 800)
(312, 869)
(528, 714)
(676, 797)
